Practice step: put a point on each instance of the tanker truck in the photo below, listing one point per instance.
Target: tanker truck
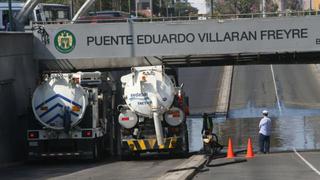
(69, 116)
(153, 118)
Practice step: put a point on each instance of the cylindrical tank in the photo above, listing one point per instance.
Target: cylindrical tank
(145, 85)
(127, 119)
(174, 116)
(52, 99)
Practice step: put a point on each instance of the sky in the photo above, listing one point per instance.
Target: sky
(200, 4)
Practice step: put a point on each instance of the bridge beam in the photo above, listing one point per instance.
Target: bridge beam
(24, 13)
(82, 10)
(31, 4)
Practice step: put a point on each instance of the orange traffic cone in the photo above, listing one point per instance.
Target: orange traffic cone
(230, 153)
(250, 153)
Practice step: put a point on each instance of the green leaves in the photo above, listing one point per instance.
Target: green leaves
(250, 6)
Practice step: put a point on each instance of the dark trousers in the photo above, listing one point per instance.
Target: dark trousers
(264, 143)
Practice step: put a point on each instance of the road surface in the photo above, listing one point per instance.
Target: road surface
(81, 170)
(283, 89)
(202, 85)
(281, 166)
(289, 92)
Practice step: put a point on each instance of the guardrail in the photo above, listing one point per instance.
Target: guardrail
(190, 18)
(267, 14)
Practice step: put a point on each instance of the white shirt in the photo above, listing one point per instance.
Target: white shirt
(265, 126)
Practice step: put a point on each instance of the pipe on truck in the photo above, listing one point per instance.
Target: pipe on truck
(156, 119)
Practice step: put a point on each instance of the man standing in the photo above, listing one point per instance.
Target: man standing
(264, 133)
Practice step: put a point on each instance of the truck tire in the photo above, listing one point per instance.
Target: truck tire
(96, 155)
(186, 142)
(125, 156)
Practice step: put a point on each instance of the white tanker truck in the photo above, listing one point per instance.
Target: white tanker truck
(154, 116)
(71, 114)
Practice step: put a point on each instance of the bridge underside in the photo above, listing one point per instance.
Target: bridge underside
(181, 61)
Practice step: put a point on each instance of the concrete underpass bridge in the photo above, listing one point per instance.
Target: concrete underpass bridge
(272, 40)
(116, 45)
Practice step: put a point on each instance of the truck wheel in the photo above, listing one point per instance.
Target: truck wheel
(186, 136)
(125, 157)
(95, 151)
(136, 155)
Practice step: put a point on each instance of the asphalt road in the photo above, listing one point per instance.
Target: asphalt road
(202, 85)
(298, 85)
(285, 90)
(289, 87)
(254, 88)
(282, 166)
(81, 170)
(252, 85)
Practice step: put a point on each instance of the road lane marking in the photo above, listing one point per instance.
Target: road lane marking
(225, 89)
(305, 161)
(276, 89)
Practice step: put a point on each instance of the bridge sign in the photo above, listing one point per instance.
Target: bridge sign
(138, 39)
(64, 41)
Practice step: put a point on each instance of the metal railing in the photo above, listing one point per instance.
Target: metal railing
(267, 14)
(191, 18)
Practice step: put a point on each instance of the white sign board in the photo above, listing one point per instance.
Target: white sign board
(133, 39)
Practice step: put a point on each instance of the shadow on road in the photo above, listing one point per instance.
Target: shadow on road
(51, 168)
(44, 169)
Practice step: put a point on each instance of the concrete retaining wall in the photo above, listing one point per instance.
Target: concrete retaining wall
(18, 74)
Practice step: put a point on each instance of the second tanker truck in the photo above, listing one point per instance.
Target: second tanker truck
(70, 116)
(153, 118)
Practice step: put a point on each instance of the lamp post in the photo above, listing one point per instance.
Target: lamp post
(160, 7)
(10, 16)
(263, 8)
(310, 7)
(71, 9)
(136, 8)
(167, 9)
(129, 7)
(151, 8)
(211, 8)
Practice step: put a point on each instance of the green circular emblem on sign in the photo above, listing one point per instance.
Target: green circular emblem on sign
(64, 41)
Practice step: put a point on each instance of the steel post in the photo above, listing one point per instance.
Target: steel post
(136, 8)
(27, 8)
(10, 16)
(263, 8)
(151, 9)
(82, 10)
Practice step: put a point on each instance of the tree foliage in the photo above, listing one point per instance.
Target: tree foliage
(271, 6)
(184, 9)
(178, 8)
(294, 5)
(240, 6)
(235, 6)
